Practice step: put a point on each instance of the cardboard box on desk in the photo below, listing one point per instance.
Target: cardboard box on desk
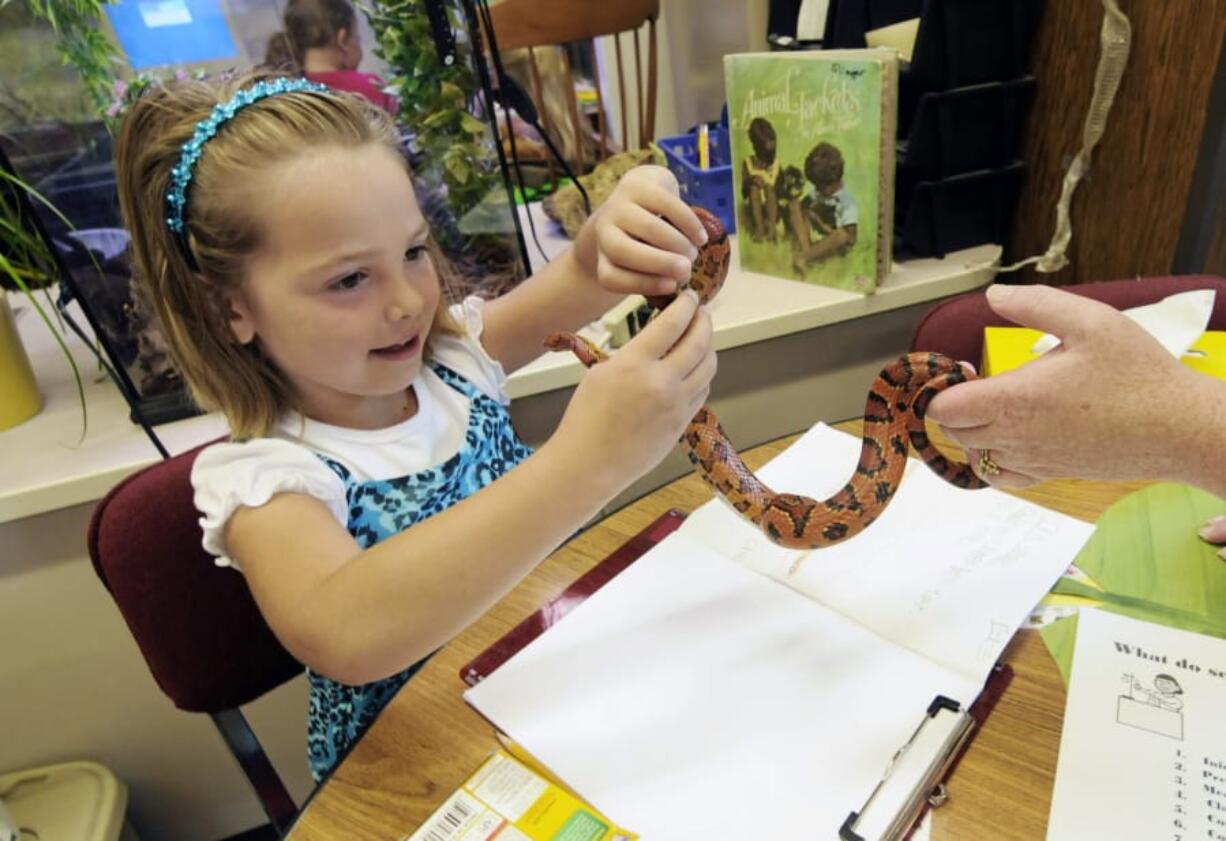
(1006, 348)
(513, 796)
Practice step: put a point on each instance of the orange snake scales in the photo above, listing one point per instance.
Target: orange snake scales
(893, 416)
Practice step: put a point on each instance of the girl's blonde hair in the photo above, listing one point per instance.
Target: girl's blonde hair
(189, 301)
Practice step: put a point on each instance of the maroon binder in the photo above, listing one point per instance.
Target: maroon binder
(591, 581)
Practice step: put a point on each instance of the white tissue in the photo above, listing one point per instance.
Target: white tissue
(1176, 321)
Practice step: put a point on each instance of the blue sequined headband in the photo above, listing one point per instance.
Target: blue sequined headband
(206, 129)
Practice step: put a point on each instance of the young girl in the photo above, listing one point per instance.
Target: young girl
(326, 45)
(759, 175)
(367, 493)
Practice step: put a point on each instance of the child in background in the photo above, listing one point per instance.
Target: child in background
(278, 56)
(327, 47)
(827, 208)
(759, 173)
(374, 493)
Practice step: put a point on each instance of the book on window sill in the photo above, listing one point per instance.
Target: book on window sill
(720, 686)
(812, 143)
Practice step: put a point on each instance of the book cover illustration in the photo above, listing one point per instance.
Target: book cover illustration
(812, 164)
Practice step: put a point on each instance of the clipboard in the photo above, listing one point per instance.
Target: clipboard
(526, 631)
(914, 779)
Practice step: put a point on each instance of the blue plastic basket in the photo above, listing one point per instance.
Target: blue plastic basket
(712, 187)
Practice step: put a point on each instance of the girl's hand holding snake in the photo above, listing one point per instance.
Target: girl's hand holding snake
(629, 412)
(893, 420)
(1108, 403)
(643, 238)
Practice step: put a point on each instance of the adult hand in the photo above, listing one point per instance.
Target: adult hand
(1108, 403)
(1214, 531)
(644, 238)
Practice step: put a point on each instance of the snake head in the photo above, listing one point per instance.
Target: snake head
(710, 266)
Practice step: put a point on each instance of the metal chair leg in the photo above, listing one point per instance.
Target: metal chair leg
(274, 797)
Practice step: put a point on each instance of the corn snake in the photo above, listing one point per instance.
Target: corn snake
(893, 419)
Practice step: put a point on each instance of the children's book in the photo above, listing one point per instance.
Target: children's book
(812, 143)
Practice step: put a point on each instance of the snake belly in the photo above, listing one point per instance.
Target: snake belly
(893, 423)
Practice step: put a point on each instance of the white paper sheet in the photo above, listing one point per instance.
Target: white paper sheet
(694, 697)
(1143, 751)
(935, 550)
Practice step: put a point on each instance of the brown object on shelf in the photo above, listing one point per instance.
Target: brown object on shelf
(565, 205)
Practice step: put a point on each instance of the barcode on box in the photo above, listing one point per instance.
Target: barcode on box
(462, 816)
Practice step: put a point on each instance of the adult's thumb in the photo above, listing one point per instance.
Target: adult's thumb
(1063, 314)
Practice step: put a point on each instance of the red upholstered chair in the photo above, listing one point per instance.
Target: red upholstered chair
(955, 327)
(197, 626)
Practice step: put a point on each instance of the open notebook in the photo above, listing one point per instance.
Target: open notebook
(704, 694)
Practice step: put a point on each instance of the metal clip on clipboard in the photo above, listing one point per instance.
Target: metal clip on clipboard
(913, 778)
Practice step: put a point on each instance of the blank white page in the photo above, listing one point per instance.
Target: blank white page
(691, 698)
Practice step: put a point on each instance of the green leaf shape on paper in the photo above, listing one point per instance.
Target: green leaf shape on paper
(1151, 564)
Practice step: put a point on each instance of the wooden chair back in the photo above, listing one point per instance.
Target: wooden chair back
(528, 24)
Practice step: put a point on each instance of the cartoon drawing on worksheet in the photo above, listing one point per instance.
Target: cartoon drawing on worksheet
(1157, 708)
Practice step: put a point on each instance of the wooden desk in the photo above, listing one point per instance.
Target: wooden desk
(429, 740)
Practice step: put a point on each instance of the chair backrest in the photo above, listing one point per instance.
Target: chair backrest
(528, 24)
(197, 626)
(955, 327)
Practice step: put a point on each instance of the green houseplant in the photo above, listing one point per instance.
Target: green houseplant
(457, 147)
(45, 103)
(27, 265)
(81, 43)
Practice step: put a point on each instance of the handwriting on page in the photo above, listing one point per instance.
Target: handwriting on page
(942, 572)
(1022, 535)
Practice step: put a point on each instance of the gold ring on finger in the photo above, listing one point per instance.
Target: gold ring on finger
(987, 467)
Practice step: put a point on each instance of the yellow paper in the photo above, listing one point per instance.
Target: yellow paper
(1208, 354)
(1006, 348)
(506, 792)
(704, 147)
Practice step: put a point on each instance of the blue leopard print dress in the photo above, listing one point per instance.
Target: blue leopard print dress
(340, 713)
